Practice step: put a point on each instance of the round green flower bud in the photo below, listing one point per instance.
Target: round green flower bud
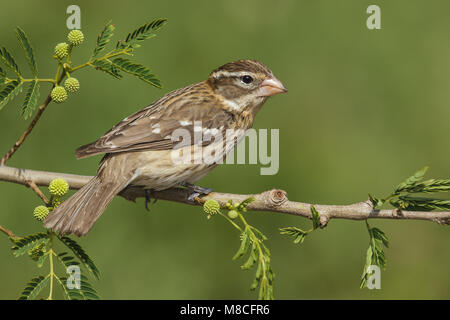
(233, 214)
(40, 212)
(59, 94)
(58, 187)
(211, 207)
(61, 50)
(75, 37)
(72, 85)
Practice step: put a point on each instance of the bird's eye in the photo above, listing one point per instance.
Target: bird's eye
(247, 79)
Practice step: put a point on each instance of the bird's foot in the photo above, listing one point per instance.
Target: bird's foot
(195, 191)
(148, 193)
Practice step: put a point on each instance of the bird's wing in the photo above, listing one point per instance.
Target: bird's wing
(152, 127)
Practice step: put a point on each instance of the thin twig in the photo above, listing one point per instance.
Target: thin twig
(9, 233)
(273, 200)
(26, 132)
(38, 191)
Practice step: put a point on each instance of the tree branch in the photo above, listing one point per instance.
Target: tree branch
(27, 131)
(273, 200)
(9, 233)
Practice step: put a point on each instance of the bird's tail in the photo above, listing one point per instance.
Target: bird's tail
(78, 213)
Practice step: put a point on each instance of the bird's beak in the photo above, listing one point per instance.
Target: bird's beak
(270, 87)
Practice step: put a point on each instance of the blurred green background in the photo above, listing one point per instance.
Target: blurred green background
(365, 109)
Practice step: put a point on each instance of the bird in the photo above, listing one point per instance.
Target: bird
(139, 150)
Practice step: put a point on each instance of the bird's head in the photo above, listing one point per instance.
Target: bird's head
(245, 84)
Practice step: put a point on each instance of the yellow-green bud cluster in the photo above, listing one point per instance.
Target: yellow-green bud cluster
(58, 187)
(59, 94)
(61, 50)
(72, 85)
(55, 203)
(211, 207)
(40, 212)
(75, 37)
(233, 214)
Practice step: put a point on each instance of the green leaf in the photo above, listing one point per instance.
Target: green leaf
(253, 257)
(23, 245)
(66, 260)
(2, 76)
(376, 203)
(41, 260)
(33, 288)
(245, 243)
(144, 32)
(299, 235)
(8, 93)
(429, 186)
(85, 292)
(31, 99)
(81, 254)
(103, 39)
(108, 67)
(137, 70)
(315, 218)
(9, 61)
(375, 253)
(28, 49)
(420, 203)
(411, 181)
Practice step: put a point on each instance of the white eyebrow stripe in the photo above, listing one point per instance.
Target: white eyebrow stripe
(185, 123)
(156, 125)
(219, 74)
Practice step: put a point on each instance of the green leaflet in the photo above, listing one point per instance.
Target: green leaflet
(28, 50)
(315, 218)
(260, 255)
(81, 254)
(2, 76)
(245, 243)
(411, 181)
(298, 234)
(137, 70)
(376, 203)
(409, 202)
(23, 245)
(253, 257)
(375, 252)
(103, 39)
(144, 32)
(33, 288)
(31, 99)
(9, 61)
(9, 92)
(66, 260)
(85, 292)
(429, 186)
(108, 67)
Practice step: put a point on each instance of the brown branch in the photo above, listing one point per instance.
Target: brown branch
(9, 233)
(26, 132)
(38, 191)
(273, 200)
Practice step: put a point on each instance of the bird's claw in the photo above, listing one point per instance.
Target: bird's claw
(193, 195)
(148, 193)
(196, 190)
